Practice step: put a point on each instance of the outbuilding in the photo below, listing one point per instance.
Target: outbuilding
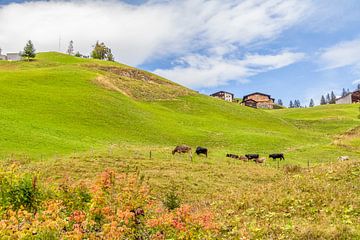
(352, 97)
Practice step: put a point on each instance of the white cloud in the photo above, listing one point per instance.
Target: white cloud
(356, 81)
(340, 55)
(140, 33)
(202, 71)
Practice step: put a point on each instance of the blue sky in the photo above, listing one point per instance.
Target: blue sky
(293, 49)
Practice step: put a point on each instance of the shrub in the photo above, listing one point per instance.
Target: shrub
(19, 191)
(115, 206)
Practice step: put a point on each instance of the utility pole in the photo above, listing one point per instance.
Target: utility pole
(60, 43)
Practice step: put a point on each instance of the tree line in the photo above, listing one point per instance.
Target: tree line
(100, 51)
(329, 98)
(295, 103)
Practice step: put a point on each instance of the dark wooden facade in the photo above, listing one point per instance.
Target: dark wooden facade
(355, 96)
(258, 100)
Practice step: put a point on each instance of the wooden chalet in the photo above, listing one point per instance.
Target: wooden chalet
(258, 100)
(224, 96)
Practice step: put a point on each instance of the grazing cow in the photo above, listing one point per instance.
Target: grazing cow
(251, 156)
(230, 155)
(343, 158)
(259, 160)
(201, 150)
(243, 158)
(274, 156)
(181, 149)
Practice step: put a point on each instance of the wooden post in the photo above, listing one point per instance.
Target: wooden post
(191, 158)
(308, 163)
(150, 155)
(110, 150)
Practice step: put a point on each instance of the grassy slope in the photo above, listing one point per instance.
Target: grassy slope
(53, 106)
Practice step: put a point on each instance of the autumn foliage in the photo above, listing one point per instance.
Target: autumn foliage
(115, 206)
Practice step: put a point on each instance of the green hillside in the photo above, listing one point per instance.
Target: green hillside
(69, 119)
(60, 104)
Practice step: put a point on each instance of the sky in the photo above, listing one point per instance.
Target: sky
(290, 49)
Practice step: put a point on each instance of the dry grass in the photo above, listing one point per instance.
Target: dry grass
(261, 202)
(138, 84)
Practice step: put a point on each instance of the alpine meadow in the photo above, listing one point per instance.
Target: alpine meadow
(86, 154)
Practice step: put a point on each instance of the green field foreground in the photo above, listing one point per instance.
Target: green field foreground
(66, 117)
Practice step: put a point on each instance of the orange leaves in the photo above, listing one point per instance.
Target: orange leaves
(118, 206)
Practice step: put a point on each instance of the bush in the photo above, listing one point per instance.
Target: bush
(115, 206)
(19, 191)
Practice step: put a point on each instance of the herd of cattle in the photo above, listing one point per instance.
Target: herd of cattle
(247, 157)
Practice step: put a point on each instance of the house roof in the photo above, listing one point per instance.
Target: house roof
(221, 92)
(349, 93)
(259, 93)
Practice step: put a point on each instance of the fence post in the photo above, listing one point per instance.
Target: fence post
(110, 150)
(308, 163)
(150, 154)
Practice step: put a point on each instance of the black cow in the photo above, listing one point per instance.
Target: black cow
(230, 155)
(201, 150)
(274, 156)
(251, 156)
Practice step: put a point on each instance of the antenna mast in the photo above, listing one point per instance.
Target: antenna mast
(59, 43)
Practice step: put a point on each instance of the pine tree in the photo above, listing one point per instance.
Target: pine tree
(322, 101)
(328, 98)
(343, 92)
(109, 55)
(29, 51)
(78, 54)
(70, 50)
(280, 103)
(311, 104)
(358, 86)
(291, 105)
(332, 98)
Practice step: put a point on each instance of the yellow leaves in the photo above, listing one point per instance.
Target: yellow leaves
(118, 206)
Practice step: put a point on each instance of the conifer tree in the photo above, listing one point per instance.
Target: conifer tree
(311, 104)
(322, 101)
(328, 98)
(332, 98)
(70, 50)
(29, 51)
(343, 92)
(291, 105)
(280, 103)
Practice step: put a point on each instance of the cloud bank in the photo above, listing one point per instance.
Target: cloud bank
(202, 36)
(201, 71)
(343, 54)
